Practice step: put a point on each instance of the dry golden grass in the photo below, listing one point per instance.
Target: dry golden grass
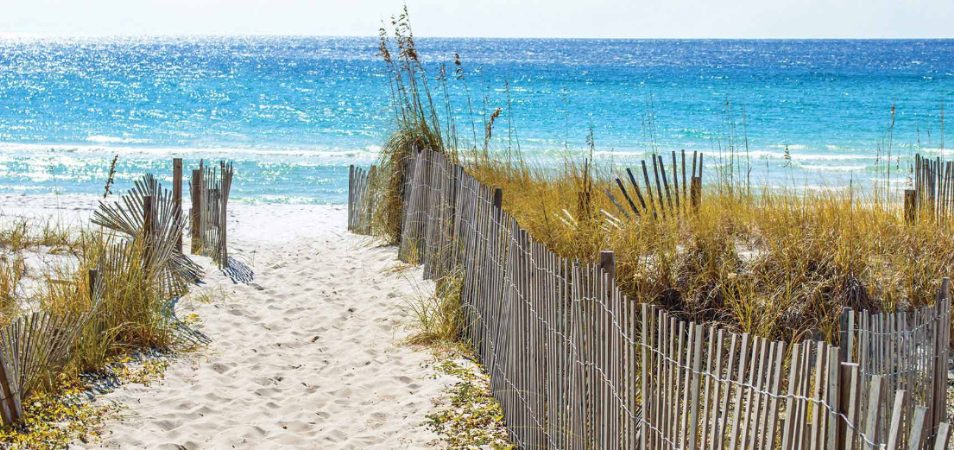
(12, 268)
(438, 318)
(21, 234)
(130, 319)
(775, 263)
(130, 315)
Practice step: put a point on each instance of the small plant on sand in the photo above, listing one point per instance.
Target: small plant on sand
(65, 413)
(16, 235)
(472, 418)
(111, 177)
(12, 268)
(210, 295)
(55, 418)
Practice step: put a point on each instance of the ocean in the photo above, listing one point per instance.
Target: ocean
(294, 112)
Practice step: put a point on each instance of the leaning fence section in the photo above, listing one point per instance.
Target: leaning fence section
(556, 336)
(670, 196)
(577, 365)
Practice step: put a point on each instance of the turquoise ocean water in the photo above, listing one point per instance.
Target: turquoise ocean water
(293, 113)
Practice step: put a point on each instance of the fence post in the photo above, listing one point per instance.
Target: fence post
(844, 335)
(177, 196)
(10, 407)
(871, 420)
(917, 427)
(369, 208)
(93, 279)
(351, 198)
(697, 333)
(910, 205)
(147, 228)
(147, 207)
(943, 436)
(196, 186)
(498, 198)
(695, 193)
(608, 263)
(942, 343)
(223, 232)
(894, 427)
(643, 380)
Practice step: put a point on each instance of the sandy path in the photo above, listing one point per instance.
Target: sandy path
(307, 355)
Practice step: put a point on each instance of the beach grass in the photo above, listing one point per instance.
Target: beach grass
(438, 317)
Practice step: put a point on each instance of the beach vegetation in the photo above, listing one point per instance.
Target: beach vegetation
(12, 269)
(417, 118)
(472, 417)
(777, 261)
(438, 318)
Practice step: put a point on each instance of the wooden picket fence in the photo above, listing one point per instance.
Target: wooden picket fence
(709, 388)
(933, 193)
(576, 364)
(910, 351)
(28, 346)
(210, 187)
(360, 204)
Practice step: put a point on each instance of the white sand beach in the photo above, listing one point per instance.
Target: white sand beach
(308, 353)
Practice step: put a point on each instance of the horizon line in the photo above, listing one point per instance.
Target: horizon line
(42, 36)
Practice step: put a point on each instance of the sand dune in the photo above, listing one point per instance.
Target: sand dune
(307, 354)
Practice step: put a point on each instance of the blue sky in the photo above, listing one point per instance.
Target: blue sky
(490, 18)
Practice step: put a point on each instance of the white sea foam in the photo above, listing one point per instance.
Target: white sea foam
(101, 139)
(713, 155)
(832, 167)
(338, 155)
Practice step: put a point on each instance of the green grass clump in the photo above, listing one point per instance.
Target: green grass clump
(417, 125)
(131, 312)
(21, 234)
(12, 269)
(128, 314)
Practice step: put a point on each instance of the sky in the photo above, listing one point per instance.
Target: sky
(487, 18)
